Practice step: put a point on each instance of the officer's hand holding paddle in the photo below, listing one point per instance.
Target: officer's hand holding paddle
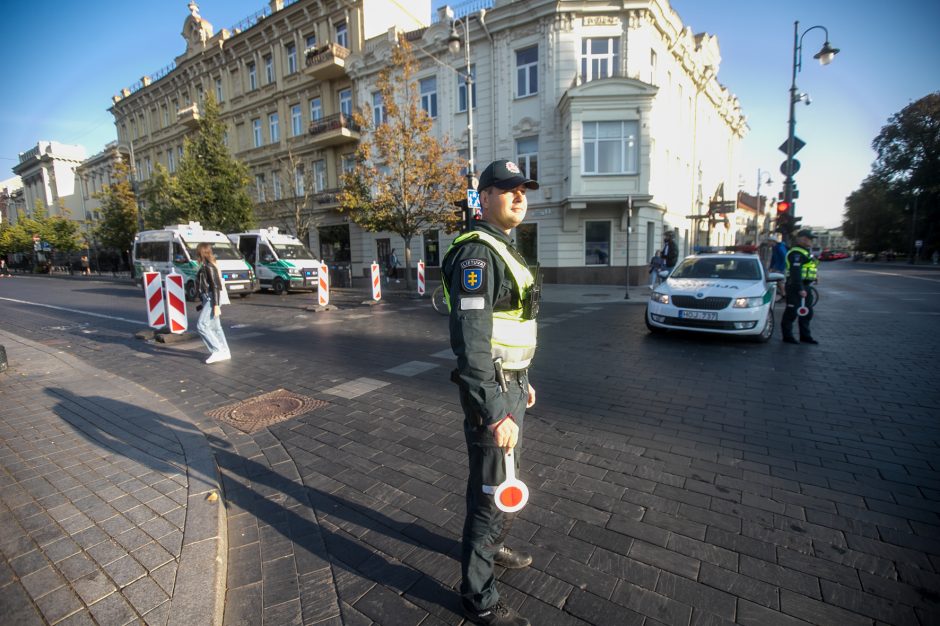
(505, 432)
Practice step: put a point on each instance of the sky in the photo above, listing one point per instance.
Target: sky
(66, 58)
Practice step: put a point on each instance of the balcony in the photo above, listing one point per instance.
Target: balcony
(333, 130)
(327, 197)
(189, 116)
(326, 62)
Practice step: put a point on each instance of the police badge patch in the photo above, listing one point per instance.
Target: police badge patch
(472, 275)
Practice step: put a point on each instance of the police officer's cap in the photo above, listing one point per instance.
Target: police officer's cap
(806, 233)
(505, 175)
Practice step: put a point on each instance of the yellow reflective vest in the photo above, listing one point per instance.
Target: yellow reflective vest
(809, 269)
(514, 337)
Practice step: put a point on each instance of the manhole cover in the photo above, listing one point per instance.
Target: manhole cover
(253, 414)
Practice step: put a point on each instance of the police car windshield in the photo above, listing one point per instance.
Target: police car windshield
(729, 268)
(292, 251)
(223, 250)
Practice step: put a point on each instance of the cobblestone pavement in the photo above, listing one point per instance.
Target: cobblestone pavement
(675, 480)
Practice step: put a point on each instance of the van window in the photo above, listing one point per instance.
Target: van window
(223, 250)
(247, 245)
(292, 251)
(265, 254)
(179, 253)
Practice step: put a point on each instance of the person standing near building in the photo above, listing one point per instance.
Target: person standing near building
(669, 252)
(801, 272)
(209, 286)
(493, 301)
(778, 263)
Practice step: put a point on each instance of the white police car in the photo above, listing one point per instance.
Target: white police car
(728, 294)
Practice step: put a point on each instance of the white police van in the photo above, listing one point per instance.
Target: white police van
(281, 261)
(175, 247)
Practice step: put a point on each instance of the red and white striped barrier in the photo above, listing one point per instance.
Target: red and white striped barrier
(323, 284)
(420, 278)
(176, 302)
(376, 282)
(153, 293)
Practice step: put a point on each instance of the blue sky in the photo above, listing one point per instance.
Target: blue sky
(65, 59)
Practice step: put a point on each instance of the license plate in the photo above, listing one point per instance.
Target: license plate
(698, 315)
(235, 287)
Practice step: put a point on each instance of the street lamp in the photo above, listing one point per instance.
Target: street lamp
(453, 44)
(763, 177)
(793, 145)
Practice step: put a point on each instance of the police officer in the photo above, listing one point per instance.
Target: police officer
(493, 300)
(801, 272)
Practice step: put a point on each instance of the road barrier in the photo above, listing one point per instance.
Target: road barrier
(421, 278)
(176, 302)
(153, 294)
(376, 282)
(323, 284)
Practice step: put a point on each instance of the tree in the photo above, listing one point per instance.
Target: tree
(291, 206)
(118, 223)
(212, 184)
(160, 197)
(404, 180)
(905, 175)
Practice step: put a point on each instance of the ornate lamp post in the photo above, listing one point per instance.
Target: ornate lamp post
(763, 177)
(793, 144)
(454, 44)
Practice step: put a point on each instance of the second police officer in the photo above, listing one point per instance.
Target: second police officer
(801, 273)
(493, 300)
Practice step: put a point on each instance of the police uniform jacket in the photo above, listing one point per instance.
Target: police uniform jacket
(479, 283)
(796, 258)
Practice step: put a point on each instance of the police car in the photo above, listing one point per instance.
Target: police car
(729, 294)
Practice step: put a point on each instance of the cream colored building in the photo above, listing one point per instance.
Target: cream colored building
(48, 175)
(615, 108)
(616, 111)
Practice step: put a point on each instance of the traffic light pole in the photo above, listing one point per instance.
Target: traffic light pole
(791, 125)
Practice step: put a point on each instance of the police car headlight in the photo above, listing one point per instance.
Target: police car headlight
(293, 271)
(662, 298)
(747, 303)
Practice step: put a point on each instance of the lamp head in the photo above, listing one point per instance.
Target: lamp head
(826, 54)
(453, 41)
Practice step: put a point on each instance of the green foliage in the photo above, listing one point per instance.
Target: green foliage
(60, 232)
(118, 223)
(404, 180)
(900, 199)
(160, 196)
(212, 186)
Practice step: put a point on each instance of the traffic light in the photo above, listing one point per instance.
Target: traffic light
(784, 217)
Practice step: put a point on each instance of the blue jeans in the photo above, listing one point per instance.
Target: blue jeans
(210, 329)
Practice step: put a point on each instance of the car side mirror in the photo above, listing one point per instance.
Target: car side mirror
(774, 277)
(664, 273)
(267, 258)
(179, 258)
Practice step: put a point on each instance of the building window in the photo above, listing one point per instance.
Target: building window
(316, 109)
(166, 116)
(428, 88)
(276, 182)
(600, 58)
(527, 156)
(299, 180)
(219, 94)
(432, 248)
(342, 34)
(610, 147)
(527, 242)
(179, 152)
(170, 160)
(597, 243)
(319, 175)
(252, 77)
(345, 101)
(462, 89)
(149, 166)
(527, 71)
(653, 64)
(296, 120)
(256, 131)
(259, 186)
(291, 58)
(274, 128)
(268, 69)
(378, 108)
(310, 42)
(349, 163)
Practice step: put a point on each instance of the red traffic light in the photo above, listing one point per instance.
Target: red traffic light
(783, 207)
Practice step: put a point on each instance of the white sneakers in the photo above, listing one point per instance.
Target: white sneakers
(215, 357)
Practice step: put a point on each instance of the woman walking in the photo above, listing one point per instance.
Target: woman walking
(209, 286)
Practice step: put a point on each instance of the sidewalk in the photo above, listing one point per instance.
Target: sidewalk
(109, 503)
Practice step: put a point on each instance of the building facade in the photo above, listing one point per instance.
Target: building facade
(48, 175)
(616, 111)
(11, 199)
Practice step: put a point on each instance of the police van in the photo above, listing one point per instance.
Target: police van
(281, 261)
(175, 247)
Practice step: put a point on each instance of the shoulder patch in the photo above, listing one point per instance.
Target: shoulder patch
(472, 275)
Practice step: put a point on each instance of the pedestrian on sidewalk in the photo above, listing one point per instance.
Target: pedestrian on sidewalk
(656, 265)
(86, 267)
(669, 253)
(493, 301)
(4, 270)
(209, 286)
(392, 269)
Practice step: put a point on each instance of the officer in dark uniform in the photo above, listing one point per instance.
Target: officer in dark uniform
(801, 272)
(493, 300)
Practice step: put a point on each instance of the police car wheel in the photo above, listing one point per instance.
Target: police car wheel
(243, 295)
(278, 286)
(768, 330)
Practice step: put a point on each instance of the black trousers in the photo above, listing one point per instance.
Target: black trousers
(485, 528)
(793, 303)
